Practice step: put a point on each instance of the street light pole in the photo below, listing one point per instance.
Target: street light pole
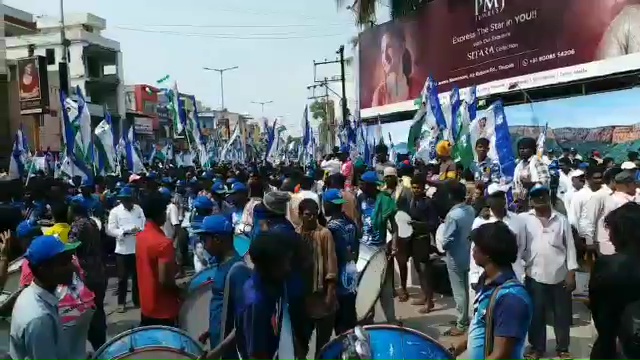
(262, 104)
(221, 72)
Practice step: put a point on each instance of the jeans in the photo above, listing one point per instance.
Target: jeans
(557, 299)
(97, 334)
(126, 267)
(459, 280)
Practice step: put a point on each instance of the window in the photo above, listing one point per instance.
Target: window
(51, 56)
(149, 107)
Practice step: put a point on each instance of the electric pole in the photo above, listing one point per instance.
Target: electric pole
(343, 101)
(221, 72)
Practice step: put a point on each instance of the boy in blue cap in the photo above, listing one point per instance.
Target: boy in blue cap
(36, 328)
(216, 234)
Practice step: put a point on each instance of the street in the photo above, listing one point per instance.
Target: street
(432, 324)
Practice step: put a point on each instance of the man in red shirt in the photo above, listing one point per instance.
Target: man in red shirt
(157, 268)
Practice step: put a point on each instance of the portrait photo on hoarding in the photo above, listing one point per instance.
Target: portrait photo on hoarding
(496, 42)
(29, 79)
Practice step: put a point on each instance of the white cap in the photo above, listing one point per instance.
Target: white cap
(390, 171)
(576, 173)
(495, 188)
(628, 165)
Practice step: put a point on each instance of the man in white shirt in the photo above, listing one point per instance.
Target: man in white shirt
(550, 265)
(171, 226)
(125, 221)
(579, 200)
(605, 201)
(497, 202)
(577, 183)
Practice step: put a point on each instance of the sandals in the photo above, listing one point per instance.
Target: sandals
(564, 355)
(403, 296)
(427, 308)
(454, 331)
(532, 355)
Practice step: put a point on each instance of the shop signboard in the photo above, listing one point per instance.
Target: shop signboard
(143, 126)
(497, 45)
(33, 85)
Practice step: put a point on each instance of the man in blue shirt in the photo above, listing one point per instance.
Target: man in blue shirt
(89, 200)
(378, 209)
(499, 327)
(455, 242)
(216, 233)
(260, 308)
(345, 237)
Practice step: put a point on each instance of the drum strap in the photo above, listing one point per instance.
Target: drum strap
(488, 337)
(225, 299)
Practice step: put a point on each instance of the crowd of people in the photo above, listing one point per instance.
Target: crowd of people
(512, 247)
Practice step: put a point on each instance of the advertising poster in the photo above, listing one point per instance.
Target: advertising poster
(497, 45)
(33, 86)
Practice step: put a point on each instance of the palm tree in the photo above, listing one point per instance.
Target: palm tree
(365, 10)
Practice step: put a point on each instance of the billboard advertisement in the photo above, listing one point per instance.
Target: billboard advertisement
(33, 86)
(497, 45)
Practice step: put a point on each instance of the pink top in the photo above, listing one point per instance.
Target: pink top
(74, 299)
(347, 171)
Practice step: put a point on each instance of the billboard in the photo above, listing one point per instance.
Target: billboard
(33, 85)
(497, 45)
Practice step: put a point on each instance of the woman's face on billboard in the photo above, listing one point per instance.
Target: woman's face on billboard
(391, 53)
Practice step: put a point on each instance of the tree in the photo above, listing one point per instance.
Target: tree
(365, 10)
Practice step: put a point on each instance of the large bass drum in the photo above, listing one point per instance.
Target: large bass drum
(389, 342)
(150, 342)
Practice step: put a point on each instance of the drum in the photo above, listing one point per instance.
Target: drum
(194, 311)
(14, 272)
(241, 243)
(370, 279)
(405, 230)
(391, 342)
(365, 253)
(150, 342)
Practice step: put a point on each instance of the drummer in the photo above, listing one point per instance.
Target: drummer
(216, 234)
(36, 326)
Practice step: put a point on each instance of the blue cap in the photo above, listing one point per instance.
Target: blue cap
(77, 201)
(88, 182)
(165, 192)
(26, 228)
(167, 180)
(538, 189)
(46, 247)
(231, 181)
(333, 196)
(344, 149)
(125, 192)
(370, 177)
(152, 175)
(215, 224)
(237, 187)
(218, 188)
(203, 203)
(207, 175)
(193, 180)
(181, 183)
(583, 166)
(119, 185)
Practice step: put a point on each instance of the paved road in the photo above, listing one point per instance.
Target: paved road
(433, 324)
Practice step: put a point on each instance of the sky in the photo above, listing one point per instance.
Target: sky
(610, 108)
(274, 44)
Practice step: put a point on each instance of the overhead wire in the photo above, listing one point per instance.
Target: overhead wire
(232, 26)
(264, 36)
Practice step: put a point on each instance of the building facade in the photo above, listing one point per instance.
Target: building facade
(141, 102)
(94, 66)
